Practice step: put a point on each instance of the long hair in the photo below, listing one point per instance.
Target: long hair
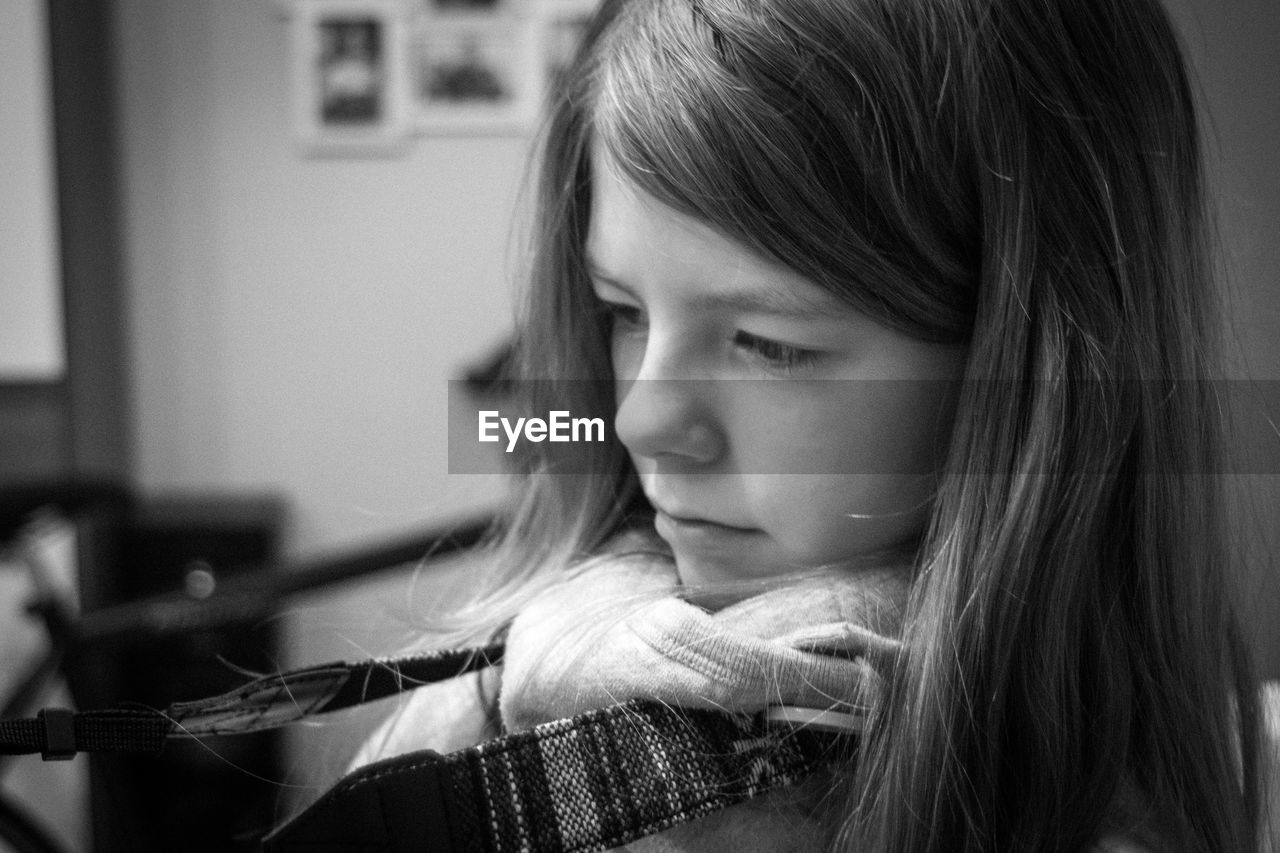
(1022, 176)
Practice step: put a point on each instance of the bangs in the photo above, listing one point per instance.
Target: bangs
(750, 120)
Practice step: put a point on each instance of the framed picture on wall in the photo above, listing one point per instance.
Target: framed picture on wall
(473, 67)
(349, 76)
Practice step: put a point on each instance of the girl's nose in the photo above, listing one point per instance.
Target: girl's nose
(670, 420)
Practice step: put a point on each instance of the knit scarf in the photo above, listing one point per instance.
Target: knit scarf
(623, 628)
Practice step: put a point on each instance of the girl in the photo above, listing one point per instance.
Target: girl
(904, 308)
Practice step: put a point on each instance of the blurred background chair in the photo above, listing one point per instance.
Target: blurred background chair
(153, 602)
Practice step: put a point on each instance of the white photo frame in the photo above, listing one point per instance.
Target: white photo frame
(349, 76)
(474, 71)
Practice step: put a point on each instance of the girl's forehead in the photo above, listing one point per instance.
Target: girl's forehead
(632, 235)
(625, 218)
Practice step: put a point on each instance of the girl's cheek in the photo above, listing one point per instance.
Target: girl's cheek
(628, 355)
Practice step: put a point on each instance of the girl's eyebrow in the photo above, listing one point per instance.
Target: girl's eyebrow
(778, 302)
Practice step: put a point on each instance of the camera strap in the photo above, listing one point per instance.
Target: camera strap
(585, 783)
(268, 702)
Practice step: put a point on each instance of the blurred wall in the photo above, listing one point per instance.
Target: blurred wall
(30, 281)
(293, 320)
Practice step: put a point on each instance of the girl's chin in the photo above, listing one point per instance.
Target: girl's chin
(697, 570)
(693, 571)
(737, 579)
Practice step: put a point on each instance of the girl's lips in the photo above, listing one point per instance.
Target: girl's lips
(688, 521)
(693, 520)
(698, 533)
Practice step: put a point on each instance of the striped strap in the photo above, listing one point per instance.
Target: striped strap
(588, 783)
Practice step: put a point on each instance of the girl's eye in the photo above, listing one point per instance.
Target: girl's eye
(622, 317)
(775, 355)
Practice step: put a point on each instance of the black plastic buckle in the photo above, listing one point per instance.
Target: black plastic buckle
(59, 734)
(402, 805)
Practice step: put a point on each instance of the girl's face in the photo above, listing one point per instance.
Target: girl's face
(773, 427)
